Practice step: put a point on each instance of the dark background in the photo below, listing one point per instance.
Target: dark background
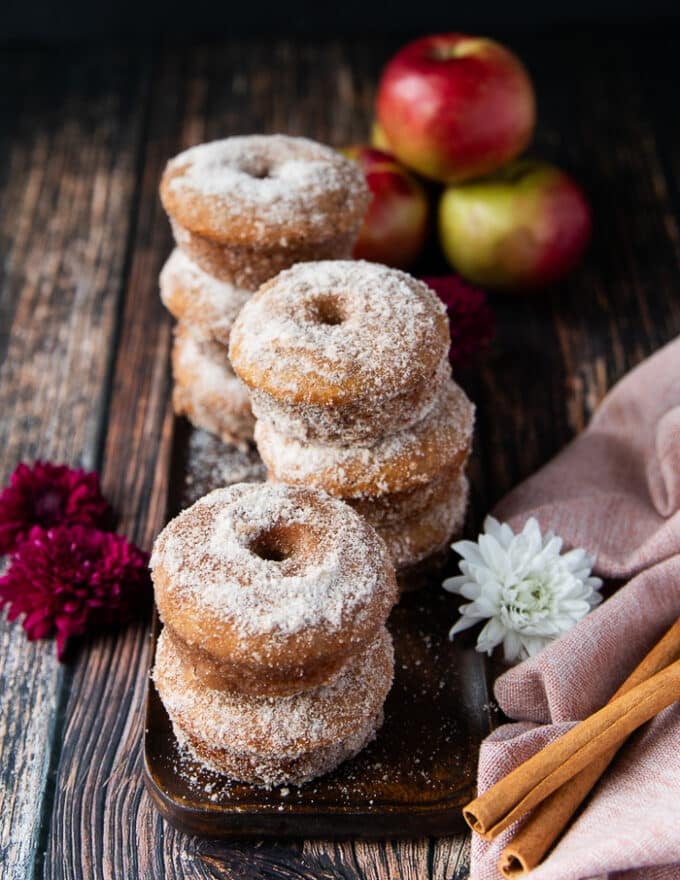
(51, 21)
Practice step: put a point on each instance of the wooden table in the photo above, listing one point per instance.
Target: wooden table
(84, 374)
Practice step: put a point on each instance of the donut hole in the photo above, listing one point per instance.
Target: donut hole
(269, 551)
(257, 167)
(282, 542)
(328, 310)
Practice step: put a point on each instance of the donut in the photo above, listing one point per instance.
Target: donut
(249, 266)
(274, 740)
(357, 424)
(428, 532)
(278, 585)
(197, 299)
(244, 208)
(397, 463)
(381, 510)
(342, 351)
(207, 391)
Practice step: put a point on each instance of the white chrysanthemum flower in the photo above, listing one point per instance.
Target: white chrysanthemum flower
(529, 592)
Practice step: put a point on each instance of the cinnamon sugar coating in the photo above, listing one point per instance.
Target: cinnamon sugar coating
(360, 422)
(224, 675)
(345, 337)
(381, 510)
(207, 391)
(274, 583)
(264, 190)
(272, 740)
(430, 530)
(197, 299)
(249, 266)
(396, 463)
(245, 208)
(267, 771)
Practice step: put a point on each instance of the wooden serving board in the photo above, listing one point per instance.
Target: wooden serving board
(411, 781)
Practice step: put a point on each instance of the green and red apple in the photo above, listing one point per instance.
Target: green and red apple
(378, 138)
(521, 228)
(455, 107)
(396, 224)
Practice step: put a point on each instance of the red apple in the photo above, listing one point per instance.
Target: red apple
(523, 227)
(395, 225)
(454, 107)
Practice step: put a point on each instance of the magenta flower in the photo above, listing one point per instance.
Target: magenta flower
(49, 495)
(470, 317)
(69, 579)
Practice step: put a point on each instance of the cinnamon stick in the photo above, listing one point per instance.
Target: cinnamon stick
(546, 771)
(550, 818)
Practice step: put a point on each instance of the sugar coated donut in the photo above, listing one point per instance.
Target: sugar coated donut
(381, 510)
(279, 585)
(342, 351)
(248, 266)
(206, 389)
(269, 741)
(246, 207)
(397, 463)
(196, 298)
(358, 423)
(429, 531)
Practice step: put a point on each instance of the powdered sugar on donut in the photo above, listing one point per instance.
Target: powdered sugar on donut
(208, 366)
(360, 422)
(212, 555)
(272, 183)
(277, 727)
(194, 296)
(339, 331)
(206, 389)
(394, 464)
(417, 538)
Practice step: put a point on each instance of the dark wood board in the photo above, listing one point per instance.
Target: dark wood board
(412, 781)
(84, 133)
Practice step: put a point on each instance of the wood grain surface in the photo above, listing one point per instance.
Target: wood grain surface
(84, 134)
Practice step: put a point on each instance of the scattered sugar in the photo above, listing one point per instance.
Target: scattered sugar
(215, 464)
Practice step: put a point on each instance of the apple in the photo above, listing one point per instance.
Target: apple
(523, 227)
(454, 107)
(396, 223)
(378, 139)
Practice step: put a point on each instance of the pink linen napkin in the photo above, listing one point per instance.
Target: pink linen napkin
(615, 490)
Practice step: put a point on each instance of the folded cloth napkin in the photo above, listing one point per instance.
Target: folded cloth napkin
(615, 490)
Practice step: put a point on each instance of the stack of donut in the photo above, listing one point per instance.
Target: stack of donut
(347, 367)
(242, 209)
(274, 661)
